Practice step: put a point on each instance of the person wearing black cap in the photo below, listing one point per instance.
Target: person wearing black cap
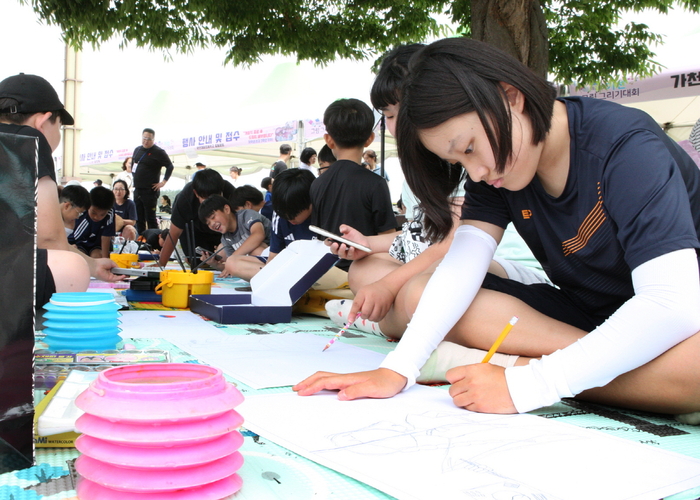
(149, 159)
(281, 164)
(29, 106)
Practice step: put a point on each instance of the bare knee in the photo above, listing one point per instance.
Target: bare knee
(129, 232)
(231, 265)
(370, 269)
(410, 294)
(669, 383)
(405, 304)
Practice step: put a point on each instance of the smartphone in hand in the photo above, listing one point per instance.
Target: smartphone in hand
(201, 250)
(339, 239)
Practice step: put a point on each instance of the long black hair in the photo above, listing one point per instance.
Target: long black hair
(387, 90)
(392, 74)
(449, 78)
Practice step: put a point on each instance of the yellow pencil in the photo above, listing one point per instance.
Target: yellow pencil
(500, 339)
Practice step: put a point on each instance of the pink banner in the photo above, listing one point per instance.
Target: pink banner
(668, 85)
(313, 129)
(199, 142)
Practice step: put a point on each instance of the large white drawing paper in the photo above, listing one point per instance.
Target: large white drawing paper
(418, 445)
(277, 360)
(168, 325)
(259, 361)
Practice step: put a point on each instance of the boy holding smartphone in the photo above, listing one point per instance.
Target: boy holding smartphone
(245, 234)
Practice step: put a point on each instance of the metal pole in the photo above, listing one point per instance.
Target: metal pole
(71, 133)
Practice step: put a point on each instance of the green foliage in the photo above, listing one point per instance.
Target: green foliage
(318, 30)
(584, 45)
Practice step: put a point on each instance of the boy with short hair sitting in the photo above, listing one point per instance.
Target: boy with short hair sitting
(94, 229)
(347, 193)
(73, 201)
(291, 201)
(154, 238)
(250, 197)
(185, 214)
(244, 232)
(292, 205)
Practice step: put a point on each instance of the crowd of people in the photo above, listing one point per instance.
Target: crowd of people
(605, 201)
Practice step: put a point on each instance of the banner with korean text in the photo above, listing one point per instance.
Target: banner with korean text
(667, 85)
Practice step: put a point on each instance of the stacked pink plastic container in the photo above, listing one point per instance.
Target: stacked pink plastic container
(159, 432)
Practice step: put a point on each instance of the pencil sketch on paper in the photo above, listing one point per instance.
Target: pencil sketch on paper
(464, 445)
(461, 438)
(418, 445)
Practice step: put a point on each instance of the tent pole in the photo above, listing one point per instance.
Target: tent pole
(71, 133)
(301, 143)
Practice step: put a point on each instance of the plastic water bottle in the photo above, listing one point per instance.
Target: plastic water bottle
(117, 243)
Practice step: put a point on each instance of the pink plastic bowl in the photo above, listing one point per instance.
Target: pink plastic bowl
(175, 457)
(87, 490)
(140, 480)
(159, 392)
(159, 435)
(159, 431)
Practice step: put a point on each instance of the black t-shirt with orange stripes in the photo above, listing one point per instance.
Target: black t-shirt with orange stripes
(632, 195)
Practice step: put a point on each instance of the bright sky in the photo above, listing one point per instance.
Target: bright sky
(124, 91)
(681, 31)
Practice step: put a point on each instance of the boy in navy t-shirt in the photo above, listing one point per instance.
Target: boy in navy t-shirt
(291, 202)
(266, 184)
(74, 200)
(94, 229)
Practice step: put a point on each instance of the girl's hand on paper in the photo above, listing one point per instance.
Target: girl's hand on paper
(373, 301)
(379, 383)
(480, 387)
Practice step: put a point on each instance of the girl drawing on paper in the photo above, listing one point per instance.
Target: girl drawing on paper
(608, 204)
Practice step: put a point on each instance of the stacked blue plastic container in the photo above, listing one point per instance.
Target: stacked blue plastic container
(78, 321)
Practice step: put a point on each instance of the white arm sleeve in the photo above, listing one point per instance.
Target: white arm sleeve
(664, 311)
(447, 296)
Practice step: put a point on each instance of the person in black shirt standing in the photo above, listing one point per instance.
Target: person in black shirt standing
(148, 161)
(281, 164)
